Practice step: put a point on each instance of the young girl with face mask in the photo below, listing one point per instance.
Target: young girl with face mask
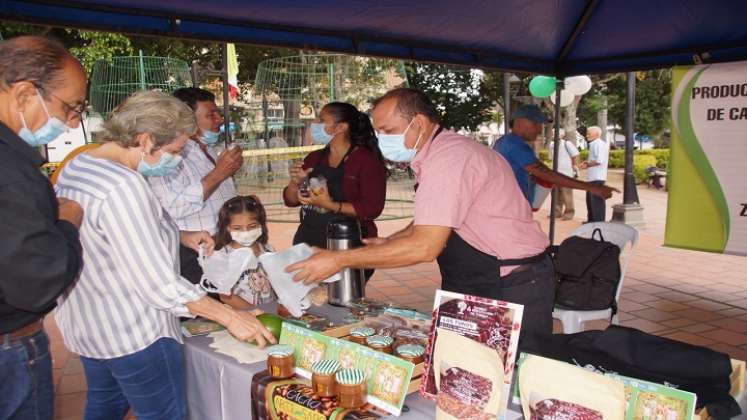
(242, 222)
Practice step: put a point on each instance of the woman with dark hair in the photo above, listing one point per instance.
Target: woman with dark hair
(353, 167)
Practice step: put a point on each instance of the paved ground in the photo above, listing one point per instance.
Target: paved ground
(690, 296)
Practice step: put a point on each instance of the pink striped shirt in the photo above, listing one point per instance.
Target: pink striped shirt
(469, 187)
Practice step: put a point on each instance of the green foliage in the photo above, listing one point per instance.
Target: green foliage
(465, 98)
(99, 46)
(642, 159)
(653, 101)
(640, 164)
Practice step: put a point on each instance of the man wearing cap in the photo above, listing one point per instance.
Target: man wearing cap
(470, 216)
(526, 125)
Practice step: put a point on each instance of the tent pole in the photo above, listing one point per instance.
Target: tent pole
(555, 149)
(506, 101)
(630, 211)
(226, 106)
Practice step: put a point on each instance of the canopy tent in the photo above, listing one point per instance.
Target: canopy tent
(560, 37)
(554, 37)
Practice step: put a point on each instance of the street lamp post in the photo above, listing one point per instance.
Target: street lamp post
(630, 211)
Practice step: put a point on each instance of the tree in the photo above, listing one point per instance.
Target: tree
(99, 46)
(464, 98)
(653, 96)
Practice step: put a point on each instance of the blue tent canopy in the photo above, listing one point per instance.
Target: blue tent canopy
(560, 37)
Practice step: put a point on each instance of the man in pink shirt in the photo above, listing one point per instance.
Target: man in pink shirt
(470, 215)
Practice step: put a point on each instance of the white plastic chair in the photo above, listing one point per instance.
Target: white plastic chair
(619, 234)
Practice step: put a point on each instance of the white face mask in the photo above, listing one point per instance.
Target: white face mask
(223, 269)
(246, 237)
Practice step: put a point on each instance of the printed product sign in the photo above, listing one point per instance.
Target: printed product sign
(470, 360)
(388, 377)
(707, 208)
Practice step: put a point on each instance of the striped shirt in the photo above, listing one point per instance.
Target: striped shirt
(181, 192)
(129, 293)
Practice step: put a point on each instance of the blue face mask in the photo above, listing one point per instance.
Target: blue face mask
(52, 129)
(166, 165)
(393, 146)
(319, 135)
(209, 137)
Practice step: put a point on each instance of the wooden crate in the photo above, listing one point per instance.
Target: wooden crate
(737, 385)
(344, 331)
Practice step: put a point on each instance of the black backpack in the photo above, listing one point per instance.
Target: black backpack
(588, 272)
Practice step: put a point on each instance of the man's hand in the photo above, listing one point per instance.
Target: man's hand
(229, 162)
(298, 173)
(583, 165)
(320, 266)
(603, 191)
(70, 211)
(194, 240)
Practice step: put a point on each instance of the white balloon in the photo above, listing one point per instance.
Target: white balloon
(578, 85)
(566, 98)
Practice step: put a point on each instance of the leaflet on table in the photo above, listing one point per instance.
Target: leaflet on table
(199, 326)
(651, 401)
(470, 357)
(546, 387)
(388, 377)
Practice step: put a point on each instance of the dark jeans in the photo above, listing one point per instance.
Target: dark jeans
(190, 268)
(26, 390)
(150, 381)
(595, 206)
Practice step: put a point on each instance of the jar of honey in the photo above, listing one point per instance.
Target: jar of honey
(351, 388)
(380, 343)
(411, 352)
(323, 377)
(280, 361)
(360, 334)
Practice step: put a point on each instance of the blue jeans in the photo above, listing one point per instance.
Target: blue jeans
(26, 390)
(151, 381)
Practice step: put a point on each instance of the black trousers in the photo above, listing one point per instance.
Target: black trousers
(191, 269)
(469, 271)
(595, 206)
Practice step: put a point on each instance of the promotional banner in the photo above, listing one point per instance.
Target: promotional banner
(707, 207)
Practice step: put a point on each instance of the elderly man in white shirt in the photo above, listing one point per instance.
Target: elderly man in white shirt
(194, 193)
(568, 166)
(596, 166)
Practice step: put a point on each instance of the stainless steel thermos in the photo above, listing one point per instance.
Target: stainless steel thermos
(345, 233)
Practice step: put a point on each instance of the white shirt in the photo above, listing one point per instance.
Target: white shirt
(566, 151)
(129, 293)
(181, 192)
(598, 152)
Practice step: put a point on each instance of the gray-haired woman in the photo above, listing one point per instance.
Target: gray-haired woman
(122, 314)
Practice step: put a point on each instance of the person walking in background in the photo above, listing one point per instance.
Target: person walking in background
(42, 92)
(568, 166)
(596, 173)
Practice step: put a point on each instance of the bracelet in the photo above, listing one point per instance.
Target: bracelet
(339, 207)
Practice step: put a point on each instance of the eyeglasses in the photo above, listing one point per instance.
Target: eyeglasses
(70, 110)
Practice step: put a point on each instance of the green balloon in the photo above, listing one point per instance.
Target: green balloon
(542, 86)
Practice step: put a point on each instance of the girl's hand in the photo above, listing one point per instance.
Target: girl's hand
(323, 199)
(194, 240)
